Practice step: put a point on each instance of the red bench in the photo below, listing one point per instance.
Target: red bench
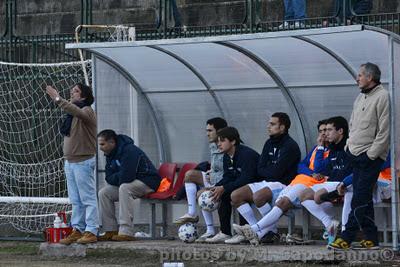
(166, 170)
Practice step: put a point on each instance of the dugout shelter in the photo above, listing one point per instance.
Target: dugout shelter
(161, 92)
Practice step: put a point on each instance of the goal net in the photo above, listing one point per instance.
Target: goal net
(32, 181)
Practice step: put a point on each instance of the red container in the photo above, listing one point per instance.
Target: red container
(54, 235)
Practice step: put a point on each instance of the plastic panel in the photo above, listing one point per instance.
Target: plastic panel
(117, 109)
(154, 70)
(250, 111)
(365, 46)
(297, 62)
(184, 117)
(222, 67)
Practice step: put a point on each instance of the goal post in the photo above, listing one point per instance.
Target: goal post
(32, 180)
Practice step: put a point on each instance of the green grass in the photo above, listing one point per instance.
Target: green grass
(19, 249)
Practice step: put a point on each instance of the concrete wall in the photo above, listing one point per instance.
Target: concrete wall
(37, 17)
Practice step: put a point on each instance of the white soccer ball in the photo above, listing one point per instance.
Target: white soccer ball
(206, 202)
(188, 232)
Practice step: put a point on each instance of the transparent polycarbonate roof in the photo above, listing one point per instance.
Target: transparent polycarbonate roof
(180, 83)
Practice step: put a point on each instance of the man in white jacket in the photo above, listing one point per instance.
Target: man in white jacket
(368, 145)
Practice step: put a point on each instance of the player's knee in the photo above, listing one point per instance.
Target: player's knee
(189, 176)
(306, 195)
(259, 200)
(236, 198)
(284, 204)
(317, 198)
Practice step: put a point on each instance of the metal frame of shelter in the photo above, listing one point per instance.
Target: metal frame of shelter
(245, 46)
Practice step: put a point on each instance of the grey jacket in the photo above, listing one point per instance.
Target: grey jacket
(217, 165)
(370, 124)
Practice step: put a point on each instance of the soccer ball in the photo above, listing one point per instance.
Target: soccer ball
(188, 232)
(206, 202)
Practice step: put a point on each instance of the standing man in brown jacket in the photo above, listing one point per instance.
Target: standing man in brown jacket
(79, 131)
(368, 145)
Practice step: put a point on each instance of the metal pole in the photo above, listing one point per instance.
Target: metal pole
(165, 19)
(344, 12)
(393, 134)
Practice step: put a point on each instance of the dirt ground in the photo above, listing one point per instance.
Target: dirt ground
(19, 253)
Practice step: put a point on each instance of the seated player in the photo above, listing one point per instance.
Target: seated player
(289, 197)
(336, 167)
(240, 168)
(194, 178)
(276, 168)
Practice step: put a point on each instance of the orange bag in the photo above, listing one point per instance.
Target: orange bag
(165, 184)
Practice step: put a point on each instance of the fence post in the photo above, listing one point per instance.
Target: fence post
(252, 17)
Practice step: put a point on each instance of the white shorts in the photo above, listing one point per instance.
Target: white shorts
(383, 190)
(205, 180)
(292, 192)
(328, 186)
(275, 187)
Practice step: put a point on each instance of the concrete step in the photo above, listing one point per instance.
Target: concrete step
(176, 251)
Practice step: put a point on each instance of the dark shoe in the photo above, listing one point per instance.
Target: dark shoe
(72, 238)
(87, 238)
(270, 238)
(366, 245)
(121, 238)
(339, 244)
(107, 236)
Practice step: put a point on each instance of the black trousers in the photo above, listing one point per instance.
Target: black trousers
(365, 175)
(225, 213)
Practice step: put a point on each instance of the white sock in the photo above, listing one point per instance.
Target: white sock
(271, 218)
(328, 208)
(273, 228)
(264, 209)
(208, 218)
(247, 212)
(191, 191)
(318, 212)
(346, 208)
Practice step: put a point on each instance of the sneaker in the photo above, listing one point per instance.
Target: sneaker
(187, 218)
(203, 237)
(87, 238)
(325, 235)
(218, 238)
(107, 236)
(332, 231)
(270, 238)
(250, 235)
(284, 25)
(236, 239)
(72, 238)
(365, 245)
(121, 238)
(237, 229)
(294, 239)
(339, 244)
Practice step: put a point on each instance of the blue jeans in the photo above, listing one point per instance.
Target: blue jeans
(176, 14)
(295, 9)
(81, 184)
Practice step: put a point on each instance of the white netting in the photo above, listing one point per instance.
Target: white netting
(109, 33)
(32, 182)
(119, 33)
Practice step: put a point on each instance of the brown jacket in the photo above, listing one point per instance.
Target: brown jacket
(370, 124)
(80, 145)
